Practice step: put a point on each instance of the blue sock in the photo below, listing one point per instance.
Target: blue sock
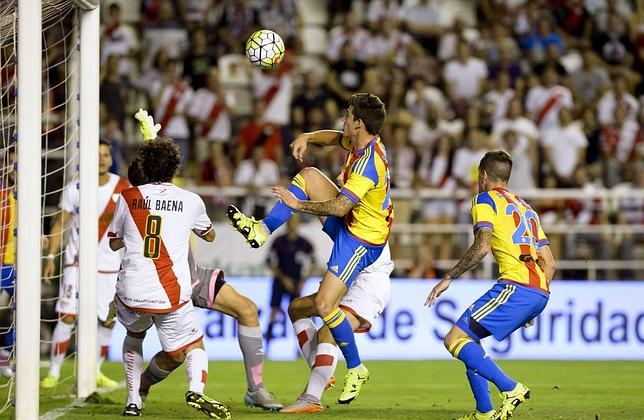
(342, 332)
(481, 391)
(280, 212)
(474, 357)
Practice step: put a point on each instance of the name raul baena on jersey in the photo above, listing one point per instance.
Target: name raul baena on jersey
(159, 205)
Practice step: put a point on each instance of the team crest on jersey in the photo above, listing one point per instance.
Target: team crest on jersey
(115, 197)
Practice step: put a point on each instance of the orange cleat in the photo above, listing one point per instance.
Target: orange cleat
(305, 404)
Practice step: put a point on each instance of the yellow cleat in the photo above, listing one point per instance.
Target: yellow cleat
(477, 415)
(510, 401)
(353, 382)
(49, 382)
(253, 230)
(103, 381)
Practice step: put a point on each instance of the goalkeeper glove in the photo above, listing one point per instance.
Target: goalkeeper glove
(148, 128)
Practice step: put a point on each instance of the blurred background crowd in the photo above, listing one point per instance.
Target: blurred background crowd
(556, 83)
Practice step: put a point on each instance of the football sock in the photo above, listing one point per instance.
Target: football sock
(133, 361)
(475, 358)
(252, 348)
(152, 375)
(280, 213)
(197, 370)
(307, 339)
(103, 334)
(61, 336)
(323, 368)
(342, 332)
(481, 390)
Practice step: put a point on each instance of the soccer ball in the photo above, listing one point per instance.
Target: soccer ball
(265, 49)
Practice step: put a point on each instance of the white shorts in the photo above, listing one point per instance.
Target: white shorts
(367, 297)
(67, 303)
(177, 329)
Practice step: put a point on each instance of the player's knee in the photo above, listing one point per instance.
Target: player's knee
(295, 309)
(309, 173)
(247, 311)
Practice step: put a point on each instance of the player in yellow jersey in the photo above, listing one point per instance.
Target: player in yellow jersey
(357, 217)
(7, 253)
(507, 225)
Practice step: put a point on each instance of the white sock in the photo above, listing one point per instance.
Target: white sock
(325, 363)
(307, 338)
(197, 370)
(60, 343)
(103, 335)
(133, 362)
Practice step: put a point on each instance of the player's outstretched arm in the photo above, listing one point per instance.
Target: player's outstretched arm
(320, 137)
(474, 255)
(547, 262)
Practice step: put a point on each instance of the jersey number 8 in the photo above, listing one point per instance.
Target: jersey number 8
(152, 239)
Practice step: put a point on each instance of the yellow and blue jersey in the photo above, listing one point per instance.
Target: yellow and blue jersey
(7, 226)
(516, 236)
(366, 183)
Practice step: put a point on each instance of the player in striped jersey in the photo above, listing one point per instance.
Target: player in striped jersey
(507, 225)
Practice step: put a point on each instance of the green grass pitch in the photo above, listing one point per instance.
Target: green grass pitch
(396, 390)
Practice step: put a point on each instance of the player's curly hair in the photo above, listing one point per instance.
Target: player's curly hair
(370, 109)
(158, 160)
(134, 173)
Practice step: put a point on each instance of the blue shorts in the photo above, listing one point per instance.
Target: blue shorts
(349, 255)
(8, 279)
(505, 308)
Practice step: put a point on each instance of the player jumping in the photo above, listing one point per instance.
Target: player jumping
(507, 225)
(357, 217)
(109, 186)
(210, 291)
(153, 223)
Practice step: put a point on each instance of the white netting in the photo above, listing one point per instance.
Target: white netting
(59, 121)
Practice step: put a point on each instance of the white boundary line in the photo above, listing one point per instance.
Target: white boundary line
(76, 403)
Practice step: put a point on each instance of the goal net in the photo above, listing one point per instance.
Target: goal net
(60, 162)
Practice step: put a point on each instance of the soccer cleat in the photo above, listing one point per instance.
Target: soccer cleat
(353, 382)
(330, 384)
(306, 403)
(510, 401)
(253, 230)
(49, 382)
(477, 415)
(208, 406)
(103, 381)
(131, 410)
(263, 399)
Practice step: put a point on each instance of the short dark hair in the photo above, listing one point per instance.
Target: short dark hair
(159, 160)
(370, 109)
(104, 142)
(134, 173)
(497, 164)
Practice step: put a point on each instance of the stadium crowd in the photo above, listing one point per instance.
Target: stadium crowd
(556, 83)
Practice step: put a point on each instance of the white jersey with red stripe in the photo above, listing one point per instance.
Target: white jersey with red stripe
(108, 194)
(544, 103)
(155, 221)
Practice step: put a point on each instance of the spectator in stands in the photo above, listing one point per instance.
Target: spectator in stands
(435, 171)
(388, 44)
(614, 44)
(208, 111)
(465, 78)
(238, 20)
(421, 65)
(590, 80)
(312, 94)
(448, 43)
(120, 40)
(113, 89)
(255, 174)
(258, 133)
(194, 13)
(217, 169)
(171, 97)
(165, 31)
(382, 9)
(552, 59)
(401, 158)
(610, 100)
(536, 44)
(601, 10)
(291, 260)
(495, 41)
(525, 130)
(544, 101)
(522, 177)
(349, 32)
(467, 158)
(592, 132)
(564, 148)
(619, 141)
(421, 95)
(275, 88)
(279, 16)
(423, 133)
(499, 97)
(630, 211)
(152, 74)
(507, 62)
(574, 20)
(422, 20)
(346, 76)
(199, 60)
